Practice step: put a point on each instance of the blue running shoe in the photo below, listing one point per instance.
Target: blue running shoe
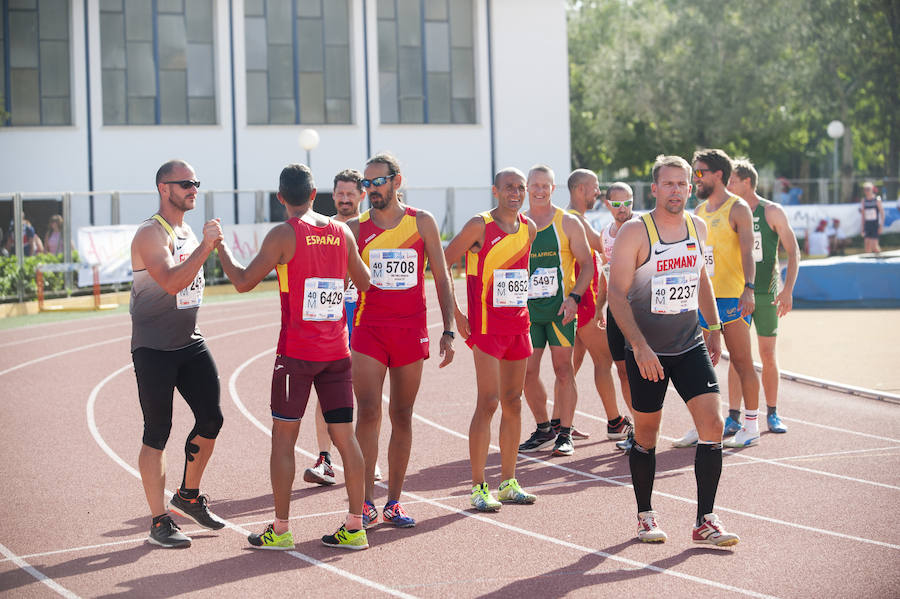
(369, 515)
(393, 512)
(732, 426)
(775, 423)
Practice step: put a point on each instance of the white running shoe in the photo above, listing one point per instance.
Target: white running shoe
(648, 529)
(743, 438)
(711, 532)
(689, 439)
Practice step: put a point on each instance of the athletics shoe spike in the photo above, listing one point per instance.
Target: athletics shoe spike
(648, 528)
(712, 533)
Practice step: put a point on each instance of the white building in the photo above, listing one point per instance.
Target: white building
(101, 92)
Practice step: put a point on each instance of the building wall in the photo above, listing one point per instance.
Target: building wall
(531, 122)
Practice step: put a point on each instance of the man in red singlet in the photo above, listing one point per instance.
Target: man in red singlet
(389, 328)
(497, 246)
(312, 255)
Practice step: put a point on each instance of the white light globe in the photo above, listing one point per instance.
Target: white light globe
(835, 129)
(309, 139)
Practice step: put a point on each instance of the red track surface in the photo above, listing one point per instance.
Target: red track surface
(815, 509)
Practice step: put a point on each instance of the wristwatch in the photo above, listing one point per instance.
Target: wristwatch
(575, 297)
(749, 286)
(450, 334)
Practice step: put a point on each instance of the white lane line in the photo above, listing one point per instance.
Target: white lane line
(239, 529)
(232, 389)
(117, 339)
(39, 576)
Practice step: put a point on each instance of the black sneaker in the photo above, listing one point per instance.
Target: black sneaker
(196, 510)
(563, 445)
(538, 440)
(166, 533)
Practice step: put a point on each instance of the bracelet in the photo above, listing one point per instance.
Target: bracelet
(450, 334)
(575, 297)
(714, 327)
(750, 286)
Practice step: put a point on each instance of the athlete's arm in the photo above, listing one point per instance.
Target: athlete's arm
(632, 245)
(356, 268)
(880, 214)
(428, 230)
(150, 250)
(706, 299)
(578, 245)
(742, 222)
(471, 237)
(278, 247)
(778, 222)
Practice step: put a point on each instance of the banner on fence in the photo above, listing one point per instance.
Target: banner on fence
(109, 247)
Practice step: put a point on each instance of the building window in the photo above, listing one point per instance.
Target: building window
(34, 51)
(158, 63)
(426, 61)
(298, 61)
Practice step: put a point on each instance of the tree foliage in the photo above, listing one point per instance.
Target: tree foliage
(759, 78)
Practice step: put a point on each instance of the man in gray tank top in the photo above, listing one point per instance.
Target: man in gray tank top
(168, 350)
(657, 283)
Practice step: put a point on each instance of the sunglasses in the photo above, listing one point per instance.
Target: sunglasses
(377, 181)
(698, 172)
(620, 204)
(185, 183)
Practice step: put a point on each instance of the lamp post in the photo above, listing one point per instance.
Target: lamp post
(835, 131)
(309, 140)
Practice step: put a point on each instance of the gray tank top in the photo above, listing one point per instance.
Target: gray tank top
(663, 295)
(159, 320)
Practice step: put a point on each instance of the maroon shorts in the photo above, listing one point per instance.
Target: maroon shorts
(503, 347)
(392, 346)
(291, 382)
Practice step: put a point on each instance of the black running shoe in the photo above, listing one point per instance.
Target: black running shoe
(538, 440)
(196, 510)
(620, 431)
(563, 445)
(166, 533)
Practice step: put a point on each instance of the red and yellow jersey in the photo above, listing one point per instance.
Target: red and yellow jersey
(311, 285)
(500, 251)
(587, 308)
(396, 259)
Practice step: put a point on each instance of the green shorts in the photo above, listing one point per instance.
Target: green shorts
(765, 315)
(553, 333)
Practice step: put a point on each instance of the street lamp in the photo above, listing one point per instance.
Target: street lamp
(835, 131)
(309, 140)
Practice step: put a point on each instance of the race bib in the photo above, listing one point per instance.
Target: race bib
(192, 295)
(870, 214)
(510, 287)
(675, 293)
(757, 247)
(394, 269)
(323, 299)
(351, 294)
(709, 260)
(543, 283)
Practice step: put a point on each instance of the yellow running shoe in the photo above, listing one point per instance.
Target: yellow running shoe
(511, 492)
(482, 499)
(345, 539)
(269, 540)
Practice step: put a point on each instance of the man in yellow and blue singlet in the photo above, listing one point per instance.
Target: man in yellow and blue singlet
(554, 293)
(728, 256)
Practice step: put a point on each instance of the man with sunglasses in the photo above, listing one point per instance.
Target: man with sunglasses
(313, 256)
(770, 227)
(658, 284)
(729, 261)
(168, 350)
(591, 332)
(554, 292)
(389, 329)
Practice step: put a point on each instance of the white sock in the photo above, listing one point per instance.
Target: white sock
(750, 421)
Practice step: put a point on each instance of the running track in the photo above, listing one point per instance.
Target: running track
(816, 508)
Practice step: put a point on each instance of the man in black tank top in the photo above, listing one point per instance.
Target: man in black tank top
(872, 211)
(658, 281)
(168, 350)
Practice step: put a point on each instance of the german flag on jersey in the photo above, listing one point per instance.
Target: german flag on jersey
(396, 258)
(500, 250)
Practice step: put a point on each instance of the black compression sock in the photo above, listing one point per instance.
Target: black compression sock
(189, 493)
(735, 415)
(707, 470)
(615, 421)
(770, 410)
(543, 426)
(643, 471)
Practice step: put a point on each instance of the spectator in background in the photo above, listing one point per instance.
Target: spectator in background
(783, 196)
(872, 211)
(31, 243)
(53, 239)
(817, 244)
(837, 238)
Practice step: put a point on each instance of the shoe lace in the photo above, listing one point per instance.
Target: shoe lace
(396, 511)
